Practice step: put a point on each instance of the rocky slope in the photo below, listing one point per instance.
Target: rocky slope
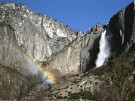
(112, 82)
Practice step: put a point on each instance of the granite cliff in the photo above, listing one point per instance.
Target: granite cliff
(122, 27)
(25, 35)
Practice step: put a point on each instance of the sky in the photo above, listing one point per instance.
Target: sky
(78, 14)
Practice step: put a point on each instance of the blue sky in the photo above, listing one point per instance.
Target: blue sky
(78, 14)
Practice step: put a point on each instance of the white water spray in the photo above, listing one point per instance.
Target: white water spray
(104, 50)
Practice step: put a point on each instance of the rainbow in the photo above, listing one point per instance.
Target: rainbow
(47, 75)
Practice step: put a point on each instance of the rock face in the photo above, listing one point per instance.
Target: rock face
(26, 34)
(67, 61)
(10, 52)
(122, 27)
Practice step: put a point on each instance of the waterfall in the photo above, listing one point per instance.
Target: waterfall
(104, 50)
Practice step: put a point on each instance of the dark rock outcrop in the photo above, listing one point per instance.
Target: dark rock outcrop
(122, 27)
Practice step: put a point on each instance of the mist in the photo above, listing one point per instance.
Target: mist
(104, 50)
